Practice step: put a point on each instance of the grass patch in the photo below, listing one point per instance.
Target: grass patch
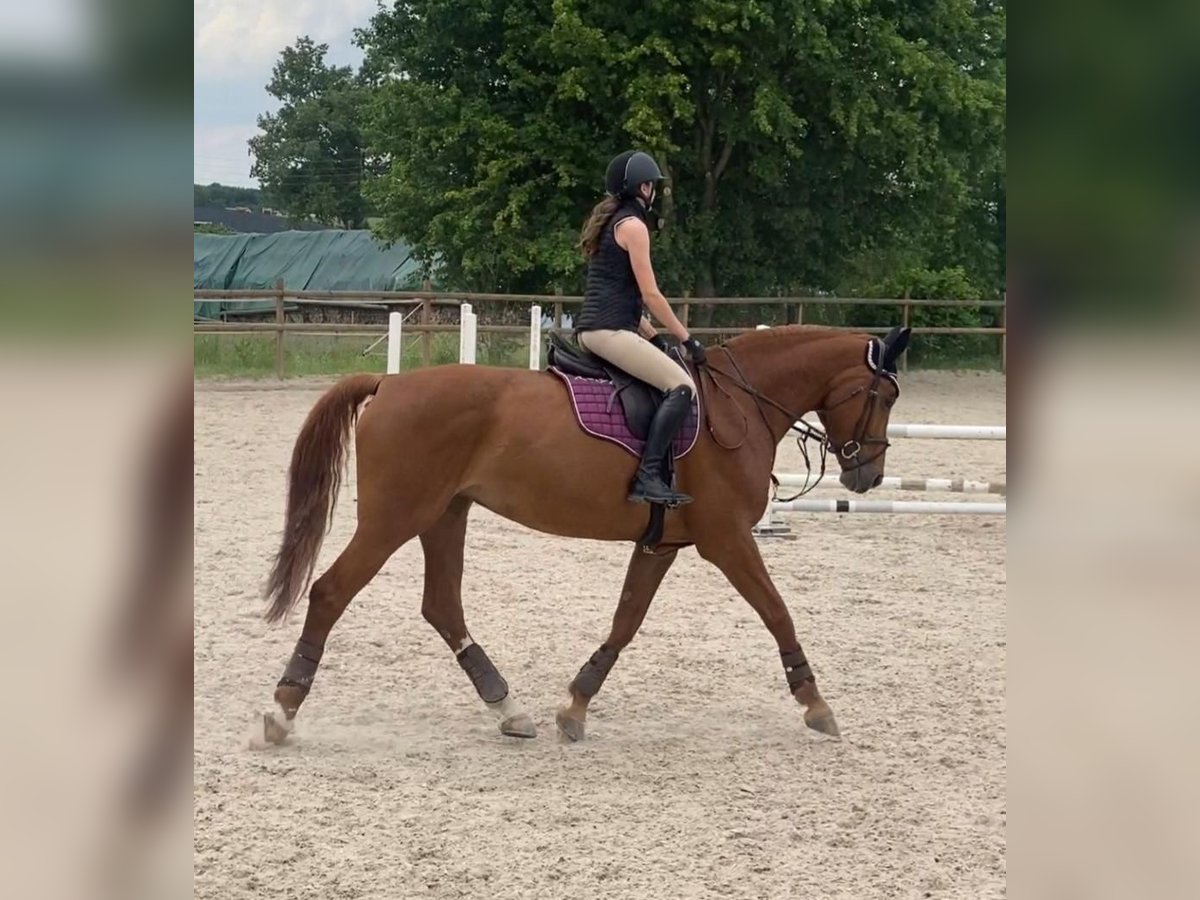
(957, 351)
(253, 355)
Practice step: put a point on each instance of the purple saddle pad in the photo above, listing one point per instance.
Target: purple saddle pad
(599, 412)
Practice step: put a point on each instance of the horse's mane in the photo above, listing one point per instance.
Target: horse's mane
(789, 334)
(806, 351)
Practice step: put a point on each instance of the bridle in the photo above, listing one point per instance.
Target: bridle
(850, 452)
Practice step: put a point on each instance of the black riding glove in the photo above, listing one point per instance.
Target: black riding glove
(695, 350)
(660, 342)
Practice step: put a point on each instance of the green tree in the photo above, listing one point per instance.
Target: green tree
(310, 157)
(226, 195)
(800, 139)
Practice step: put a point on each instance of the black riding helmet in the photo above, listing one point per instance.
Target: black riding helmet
(627, 171)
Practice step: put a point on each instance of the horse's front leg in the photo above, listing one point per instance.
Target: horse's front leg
(738, 558)
(642, 578)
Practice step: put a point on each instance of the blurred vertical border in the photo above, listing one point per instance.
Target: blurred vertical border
(95, 460)
(1103, 367)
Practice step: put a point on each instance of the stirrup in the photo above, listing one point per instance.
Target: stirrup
(674, 499)
(674, 503)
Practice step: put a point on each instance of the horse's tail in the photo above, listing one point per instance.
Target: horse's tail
(313, 481)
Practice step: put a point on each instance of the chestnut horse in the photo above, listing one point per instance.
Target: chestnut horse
(432, 442)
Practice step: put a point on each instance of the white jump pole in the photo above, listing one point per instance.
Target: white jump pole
(767, 526)
(472, 335)
(950, 432)
(898, 483)
(535, 338)
(464, 314)
(395, 329)
(943, 432)
(892, 506)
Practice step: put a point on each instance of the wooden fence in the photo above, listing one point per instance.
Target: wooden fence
(423, 303)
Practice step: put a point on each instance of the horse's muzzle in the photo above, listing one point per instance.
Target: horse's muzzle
(861, 479)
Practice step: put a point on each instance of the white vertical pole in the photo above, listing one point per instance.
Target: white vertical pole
(395, 327)
(470, 326)
(767, 526)
(464, 313)
(535, 338)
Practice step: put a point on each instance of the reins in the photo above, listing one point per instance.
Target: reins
(849, 451)
(805, 431)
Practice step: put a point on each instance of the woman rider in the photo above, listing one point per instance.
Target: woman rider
(620, 280)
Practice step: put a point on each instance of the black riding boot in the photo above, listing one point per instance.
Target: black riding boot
(648, 485)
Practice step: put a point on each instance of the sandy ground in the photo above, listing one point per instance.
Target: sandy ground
(698, 778)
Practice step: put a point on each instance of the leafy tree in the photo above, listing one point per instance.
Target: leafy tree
(804, 142)
(310, 157)
(226, 195)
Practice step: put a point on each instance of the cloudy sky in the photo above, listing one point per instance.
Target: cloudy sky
(236, 44)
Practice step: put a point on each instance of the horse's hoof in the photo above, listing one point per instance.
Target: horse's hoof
(518, 726)
(570, 728)
(274, 731)
(822, 720)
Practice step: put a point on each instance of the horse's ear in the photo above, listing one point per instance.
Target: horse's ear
(895, 344)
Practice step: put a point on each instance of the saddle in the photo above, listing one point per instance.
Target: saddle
(613, 405)
(639, 401)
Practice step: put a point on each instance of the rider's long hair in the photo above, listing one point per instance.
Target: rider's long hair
(589, 238)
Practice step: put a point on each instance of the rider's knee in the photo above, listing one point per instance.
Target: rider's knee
(683, 382)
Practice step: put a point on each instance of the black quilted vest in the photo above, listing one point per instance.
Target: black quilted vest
(611, 298)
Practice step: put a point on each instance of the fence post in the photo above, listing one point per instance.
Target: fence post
(279, 364)
(426, 337)
(470, 339)
(535, 338)
(464, 333)
(799, 313)
(683, 310)
(904, 316)
(558, 311)
(395, 342)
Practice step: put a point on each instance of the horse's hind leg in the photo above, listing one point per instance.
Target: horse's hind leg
(645, 573)
(442, 608)
(328, 598)
(738, 558)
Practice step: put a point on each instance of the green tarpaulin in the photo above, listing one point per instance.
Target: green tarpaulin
(305, 260)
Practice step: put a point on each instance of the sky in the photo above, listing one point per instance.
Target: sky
(236, 43)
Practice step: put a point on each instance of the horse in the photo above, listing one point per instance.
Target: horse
(433, 442)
